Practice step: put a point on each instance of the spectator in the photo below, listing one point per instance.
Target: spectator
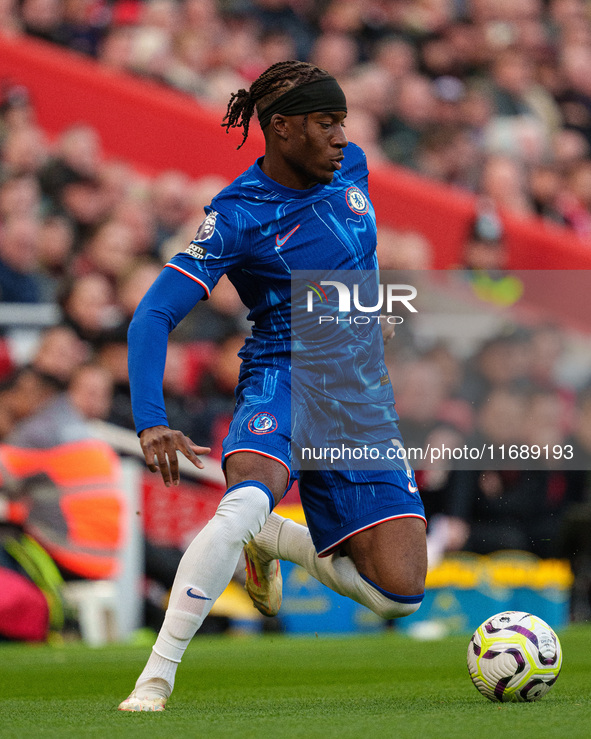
(115, 52)
(188, 64)
(9, 20)
(78, 149)
(16, 107)
(337, 53)
(91, 391)
(55, 247)
(74, 194)
(419, 400)
(285, 16)
(42, 19)
(275, 46)
(575, 100)
(569, 147)
(503, 181)
(546, 185)
(88, 305)
(403, 251)
(369, 90)
(500, 364)
(82, 26)
(545, 421)
(413, 112)
(574, 202)
(40, 414)
(109, 252)
(523, 67)
(20, 196)
(546, 351)
(447, 153)
(111, 356)
(133, 284)
(119, 184)
(24, 151)
(363, 128)
(60, 353)
(170, 204)
(512, 78)
(580, 436)
(19, 278)
(485, 248)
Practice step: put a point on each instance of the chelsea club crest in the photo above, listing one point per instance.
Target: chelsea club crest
(262, 423)
(357, 201)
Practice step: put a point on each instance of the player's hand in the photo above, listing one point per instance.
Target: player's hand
(160, 445)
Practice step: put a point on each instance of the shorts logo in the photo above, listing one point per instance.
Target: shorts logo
(204, 232)
(262, 423)
(357, 201)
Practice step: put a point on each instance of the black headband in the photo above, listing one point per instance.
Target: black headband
(320, 96)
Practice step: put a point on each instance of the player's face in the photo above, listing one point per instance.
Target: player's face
(314, 149)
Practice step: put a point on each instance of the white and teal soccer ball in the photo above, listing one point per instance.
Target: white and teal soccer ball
(514, 656)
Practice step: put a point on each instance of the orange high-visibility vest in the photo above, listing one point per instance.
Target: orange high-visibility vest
(72, 502)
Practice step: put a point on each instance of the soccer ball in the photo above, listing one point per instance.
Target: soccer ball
(514, 656)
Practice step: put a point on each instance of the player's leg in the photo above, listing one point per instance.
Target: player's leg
(392, 554)
(392, 557)
(255, 483)
(394, 592)
(377, 558)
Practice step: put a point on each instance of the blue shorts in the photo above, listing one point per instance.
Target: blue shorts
(337, 503)
(262, 417)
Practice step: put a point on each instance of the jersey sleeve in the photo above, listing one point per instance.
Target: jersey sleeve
(357, 165)
(167, 302)
(217, 249)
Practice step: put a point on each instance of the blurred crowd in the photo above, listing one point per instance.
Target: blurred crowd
(88, 236)
(493, 97)
(489, 95)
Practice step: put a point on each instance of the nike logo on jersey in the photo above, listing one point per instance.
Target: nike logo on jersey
(281, 241)
(196, 595)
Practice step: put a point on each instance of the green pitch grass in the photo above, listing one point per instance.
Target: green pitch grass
(276, 687)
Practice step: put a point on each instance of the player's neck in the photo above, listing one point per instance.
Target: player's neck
(279, 170)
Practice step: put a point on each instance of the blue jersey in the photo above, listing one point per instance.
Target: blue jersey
(259, 233)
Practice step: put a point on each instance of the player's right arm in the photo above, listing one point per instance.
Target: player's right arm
(186, 279)
(166, 303)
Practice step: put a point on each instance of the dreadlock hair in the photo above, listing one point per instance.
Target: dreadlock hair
(272, 83)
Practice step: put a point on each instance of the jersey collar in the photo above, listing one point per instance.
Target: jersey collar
(289, 192)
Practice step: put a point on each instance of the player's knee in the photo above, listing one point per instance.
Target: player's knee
(243, 511)
(402, 585)
(389, 604)
(390, 609)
